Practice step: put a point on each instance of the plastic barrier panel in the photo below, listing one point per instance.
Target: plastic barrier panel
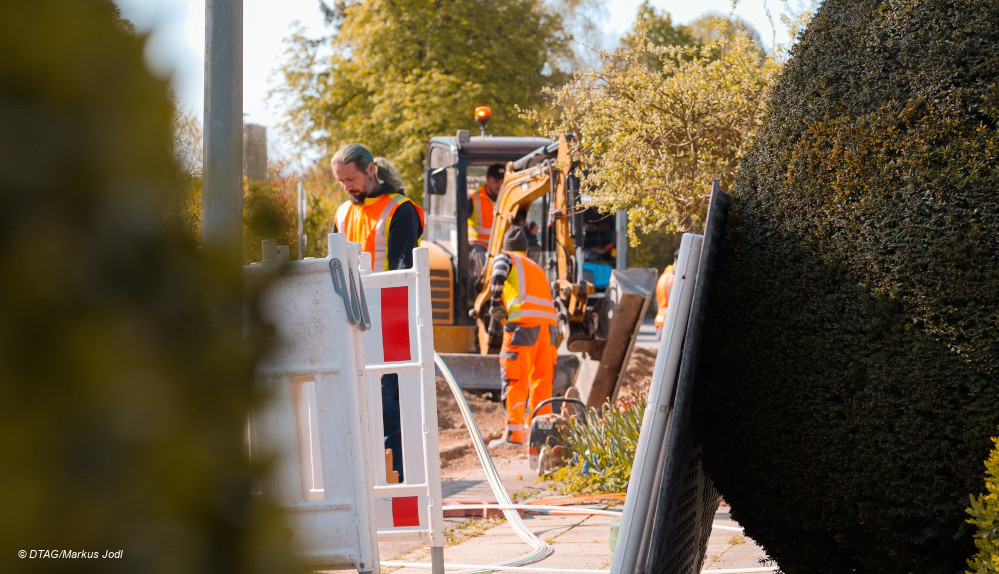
(646, 473)
(400, 343)
(671, 502)
(313, 423)
(686, 502)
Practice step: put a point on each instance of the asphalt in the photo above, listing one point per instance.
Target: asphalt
(581, 542)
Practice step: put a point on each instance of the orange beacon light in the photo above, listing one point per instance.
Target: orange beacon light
(482, 115)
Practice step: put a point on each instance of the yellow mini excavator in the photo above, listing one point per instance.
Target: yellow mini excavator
(600, 308)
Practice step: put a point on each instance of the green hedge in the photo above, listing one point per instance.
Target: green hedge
(124, 387)
(854, 331)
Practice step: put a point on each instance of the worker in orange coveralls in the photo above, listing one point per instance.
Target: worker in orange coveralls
(663, 287)
(521, 296)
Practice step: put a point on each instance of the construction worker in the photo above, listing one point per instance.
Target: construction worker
(521, 296)
(481, 205)
(663, 287)
(388, 226)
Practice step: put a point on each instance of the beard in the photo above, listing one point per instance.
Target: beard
(359, 195)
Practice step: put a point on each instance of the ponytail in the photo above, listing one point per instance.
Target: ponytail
(385, 171)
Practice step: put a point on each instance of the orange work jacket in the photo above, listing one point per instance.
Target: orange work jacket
(480, 220)
(369, 224)
(663, 286)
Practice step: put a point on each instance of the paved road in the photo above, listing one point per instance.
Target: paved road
(647, 334)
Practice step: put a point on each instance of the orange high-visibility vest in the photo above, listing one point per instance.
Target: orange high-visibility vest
(368, 224)
(663, 287)
(526, 294)
(480, 220)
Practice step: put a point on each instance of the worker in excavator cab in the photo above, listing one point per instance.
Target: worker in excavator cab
(388, 225)
(520, 295)
(481, 205)
(663, 287)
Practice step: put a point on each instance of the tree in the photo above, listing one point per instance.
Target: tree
(653, 137)
(713, 26)
(397, 72)
(270, 210)
(656, 28)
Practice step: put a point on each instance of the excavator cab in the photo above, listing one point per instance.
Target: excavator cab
(455, 167)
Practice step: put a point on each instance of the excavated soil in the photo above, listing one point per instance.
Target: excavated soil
(456, 452)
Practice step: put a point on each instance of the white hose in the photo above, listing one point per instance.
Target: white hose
(540, 549)
(540, 570)
(537, 508)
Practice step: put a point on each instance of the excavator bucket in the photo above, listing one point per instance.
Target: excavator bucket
(625, 303)
(476, 372)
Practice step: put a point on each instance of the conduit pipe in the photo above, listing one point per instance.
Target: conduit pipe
(540, 549)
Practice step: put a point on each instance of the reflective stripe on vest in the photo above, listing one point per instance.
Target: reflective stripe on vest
(526, 294)
(480, 221)
(369, 225)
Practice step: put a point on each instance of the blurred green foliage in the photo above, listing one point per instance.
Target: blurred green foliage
(984, 511)
(125, 382)
(271, 212)
(655, 27)
(270, 209)
(854, 333)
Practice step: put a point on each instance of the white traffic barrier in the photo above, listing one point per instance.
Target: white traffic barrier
(646, 472)
(313, 423)
(400, 341)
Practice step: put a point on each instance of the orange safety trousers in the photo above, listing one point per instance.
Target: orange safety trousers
(527, 365)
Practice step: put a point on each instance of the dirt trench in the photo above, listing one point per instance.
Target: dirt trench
(456, 452)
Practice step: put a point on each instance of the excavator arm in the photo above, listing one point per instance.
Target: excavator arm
(602, 327)
(521, 188)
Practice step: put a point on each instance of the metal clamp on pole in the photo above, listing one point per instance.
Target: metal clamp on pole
(362, 303)
(354, 302)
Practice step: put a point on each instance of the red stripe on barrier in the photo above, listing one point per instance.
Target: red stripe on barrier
(405, 511)
(395, 324)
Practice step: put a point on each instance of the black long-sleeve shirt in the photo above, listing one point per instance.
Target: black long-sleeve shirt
(501, 269)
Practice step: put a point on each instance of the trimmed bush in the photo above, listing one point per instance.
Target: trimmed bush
(854, 329)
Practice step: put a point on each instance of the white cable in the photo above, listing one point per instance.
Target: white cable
(454, 565)
(540, 549)
(498, 568)
(537, 507)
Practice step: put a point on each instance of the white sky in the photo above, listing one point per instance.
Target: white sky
(177, 27)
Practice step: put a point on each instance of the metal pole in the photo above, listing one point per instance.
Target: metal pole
(621, 229)
(222, 201)
(301, 220)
